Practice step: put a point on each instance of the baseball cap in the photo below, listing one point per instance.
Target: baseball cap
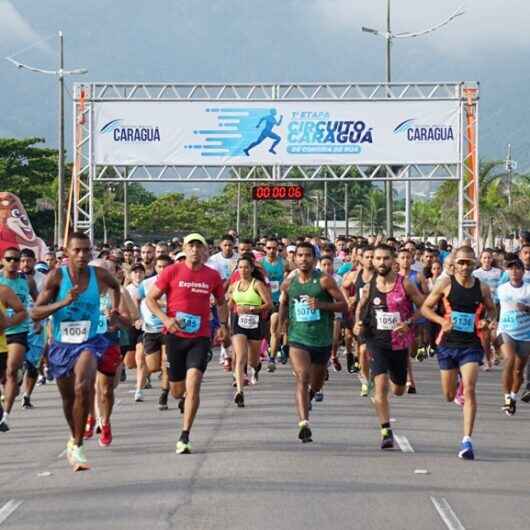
(137, 267)
(291, 248)
(180, 255)
(195, 237)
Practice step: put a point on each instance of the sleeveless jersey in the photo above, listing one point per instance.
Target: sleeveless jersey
(20, 287)
(464, 306)
(310, 327)
(275, 272)
(77, 322)
(385, 312)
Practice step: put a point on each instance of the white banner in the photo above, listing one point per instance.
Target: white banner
(247, 133)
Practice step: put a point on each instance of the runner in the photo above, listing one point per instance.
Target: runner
(351, 288)
(71, 294)
(9, 302)
(465, 298)
(225, 262)
(148, 259)
(275, 268)
(17, 335)
(248, 298)
(309, 300)
(514, 330)
(384, 317)
(153, 353)
(188, 286)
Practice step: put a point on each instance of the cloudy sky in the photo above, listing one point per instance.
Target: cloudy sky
(269, 40)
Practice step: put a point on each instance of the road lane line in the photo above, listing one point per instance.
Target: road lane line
(447, 514)
(403, 443)
(8, 508)
(61, 454)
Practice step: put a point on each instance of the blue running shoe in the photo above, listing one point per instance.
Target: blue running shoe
(466, 451)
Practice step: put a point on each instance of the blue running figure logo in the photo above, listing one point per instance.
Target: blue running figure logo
(267, 132)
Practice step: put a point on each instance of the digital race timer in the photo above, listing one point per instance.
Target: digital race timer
(281, 192)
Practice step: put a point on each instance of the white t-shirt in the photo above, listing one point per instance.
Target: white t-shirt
(224, 266)
(491, 278)
(513, 322)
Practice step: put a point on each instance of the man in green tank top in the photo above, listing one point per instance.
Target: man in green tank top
(309, 300)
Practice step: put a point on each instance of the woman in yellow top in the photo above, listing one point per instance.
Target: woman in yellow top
(248, 298)
(9, 301)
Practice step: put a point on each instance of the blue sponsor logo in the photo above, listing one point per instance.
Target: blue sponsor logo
(238, 131)
(131, 133)
(425, 133)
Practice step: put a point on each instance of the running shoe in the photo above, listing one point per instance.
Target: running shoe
(387, 439)
(336, 364)
(123, 375)
(78, 458)
(26, 403)
(271, 367)
(49, 376)
(181, 404)
(459, 398)
(4, 427)
(89, 428)
(466, 451)
(526, 396)
(356, 367)
(364, 390)
(239, 399)
(209, 356)
(319, 397)
(255, 374)
(509, 406)
(138, 396)
(148, 385)
(105, 438)
(183, 448)
(162, 400)
(227, 364)
(69, 447)
(41, 380)
(411, 389)
(99, 425)
(304, 432)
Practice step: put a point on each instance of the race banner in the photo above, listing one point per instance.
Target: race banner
(249, 133)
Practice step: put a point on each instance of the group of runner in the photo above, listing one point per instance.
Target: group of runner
(84, 316)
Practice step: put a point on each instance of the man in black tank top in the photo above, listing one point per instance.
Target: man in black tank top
(466, 301)
(351, 288)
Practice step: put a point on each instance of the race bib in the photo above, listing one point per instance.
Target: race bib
(509, 320)
(275, 286)
(387, 321)
(248, 321)
(188, 323)
(464, 322)
(102, 325)
(303, 313)
(75, 332)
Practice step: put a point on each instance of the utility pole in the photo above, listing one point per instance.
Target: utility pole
(125, 208)
(255, 220)
(238, 208)
(60, 74)
(389, 36)
(346, 210)
(510, 165)
(325, 208)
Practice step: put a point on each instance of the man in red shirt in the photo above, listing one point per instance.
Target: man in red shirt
(188, 286)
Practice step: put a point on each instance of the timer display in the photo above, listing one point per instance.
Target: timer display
(277, 192)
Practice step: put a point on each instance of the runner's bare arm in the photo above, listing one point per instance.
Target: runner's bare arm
(44, 307)
(283, 312)
(32, 288)
(154, 294)
(339, 304)
(222, 307)
(11, 300)
(265, 294)
(415, 295)
(491, 308)
(433, 299)
(365, 292)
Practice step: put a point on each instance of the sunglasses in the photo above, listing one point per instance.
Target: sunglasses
(11, 258)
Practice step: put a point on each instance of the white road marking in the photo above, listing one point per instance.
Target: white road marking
(403, 443)
(447, 514)
(62, 453)
(8, 508)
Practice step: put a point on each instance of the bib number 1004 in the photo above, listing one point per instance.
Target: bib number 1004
(75, 332)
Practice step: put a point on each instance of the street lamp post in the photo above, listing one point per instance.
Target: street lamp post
(60, 74)
(389, 36)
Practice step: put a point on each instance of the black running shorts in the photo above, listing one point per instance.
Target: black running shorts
(388, 361)
(183, 354)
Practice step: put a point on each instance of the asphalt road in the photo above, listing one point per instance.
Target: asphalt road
(249, 471)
